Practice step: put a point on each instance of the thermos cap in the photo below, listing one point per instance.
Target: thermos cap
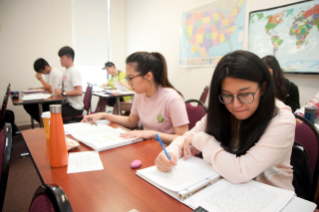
(55, 108)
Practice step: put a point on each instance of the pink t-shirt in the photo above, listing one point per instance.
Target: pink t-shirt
(161, 112)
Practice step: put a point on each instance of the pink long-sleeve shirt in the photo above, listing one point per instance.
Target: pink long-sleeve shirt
(268, 161)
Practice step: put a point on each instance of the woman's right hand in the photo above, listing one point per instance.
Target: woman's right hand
(163, 164)
(92, 118)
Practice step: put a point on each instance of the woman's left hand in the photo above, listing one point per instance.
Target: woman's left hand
(187, 148)
(137, 134)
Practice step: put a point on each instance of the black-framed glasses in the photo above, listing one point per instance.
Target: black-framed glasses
(129, 79)
(245, 98)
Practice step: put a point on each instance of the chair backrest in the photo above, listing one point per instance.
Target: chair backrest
(308, 135)
(5, 153)
(195, 113)
(50, 198)
(4, 104)
(87, 98)
(204, 94)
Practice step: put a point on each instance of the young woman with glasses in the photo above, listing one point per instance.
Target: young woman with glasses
(246, 134)
(157, 104)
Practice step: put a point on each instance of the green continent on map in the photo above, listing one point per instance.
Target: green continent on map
(303, 24)
(276, 42)
(273, 21)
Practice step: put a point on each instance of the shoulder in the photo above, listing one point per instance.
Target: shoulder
(284, 114)
(169, 93)
(56, 72)
(121, 73)
(290, 85)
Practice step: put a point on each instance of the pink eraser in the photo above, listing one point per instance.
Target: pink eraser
(136, 163)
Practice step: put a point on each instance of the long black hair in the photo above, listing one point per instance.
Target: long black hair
(278, 76)
(247, 66)
(151, 62)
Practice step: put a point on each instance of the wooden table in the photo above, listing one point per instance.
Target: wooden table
(103, 96)
(52, 99)
(115, 188)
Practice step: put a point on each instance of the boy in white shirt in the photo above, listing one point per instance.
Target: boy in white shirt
(72, 84)
(50, 78)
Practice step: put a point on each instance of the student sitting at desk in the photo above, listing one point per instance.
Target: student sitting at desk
(51, 80)
(246, 134)
(117, 80)
(286, 91)
(72, 84)
(157, 104)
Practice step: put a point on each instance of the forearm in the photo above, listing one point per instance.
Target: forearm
(46, 85)
(121, 120)
(74, 92)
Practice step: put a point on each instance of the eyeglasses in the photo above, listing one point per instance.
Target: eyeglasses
(245, 98)
(129, 79)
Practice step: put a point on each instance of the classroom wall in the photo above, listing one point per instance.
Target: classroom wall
(154, 25)
(30, 29)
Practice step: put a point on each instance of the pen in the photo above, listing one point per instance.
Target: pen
(93, 121)
(160, 141)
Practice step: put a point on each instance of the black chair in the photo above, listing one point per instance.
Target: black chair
(5, 153)
(195, 113)
(308, 136)
(50, 198)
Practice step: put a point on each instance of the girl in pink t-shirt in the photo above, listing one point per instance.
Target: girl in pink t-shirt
(246, 134)
(157, 104)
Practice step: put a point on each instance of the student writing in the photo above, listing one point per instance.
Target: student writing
(246, 134)
(51, 79)
(117, 80)
(157, 104)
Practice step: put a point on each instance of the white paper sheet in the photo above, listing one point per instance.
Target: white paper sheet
(37, 96)
(247, 197)
(84, 161)
(185, 174)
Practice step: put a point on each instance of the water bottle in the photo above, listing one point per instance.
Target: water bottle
(58, 149)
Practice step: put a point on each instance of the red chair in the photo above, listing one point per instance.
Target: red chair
(4, 106)
(50, 198)
(308, 136)
(87, 105)
(195, 113)
(204, 94)
(5, 153)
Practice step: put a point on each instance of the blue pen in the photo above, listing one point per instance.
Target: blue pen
(160, 141)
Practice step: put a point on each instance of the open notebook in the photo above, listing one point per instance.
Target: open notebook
(100, 137)
(194, 183)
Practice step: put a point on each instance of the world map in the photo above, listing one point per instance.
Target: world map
(290, 33)
(211, 31)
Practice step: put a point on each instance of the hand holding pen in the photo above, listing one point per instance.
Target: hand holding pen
(91, 120)
(164, 161)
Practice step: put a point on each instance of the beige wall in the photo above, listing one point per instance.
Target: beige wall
(154, 25)
(30, 29)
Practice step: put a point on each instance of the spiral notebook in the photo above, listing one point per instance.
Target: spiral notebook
(194, 183)
(100, 137)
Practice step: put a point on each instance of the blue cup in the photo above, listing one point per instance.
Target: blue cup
(310, 113)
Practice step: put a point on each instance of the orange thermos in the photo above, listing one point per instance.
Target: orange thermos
(58, 150)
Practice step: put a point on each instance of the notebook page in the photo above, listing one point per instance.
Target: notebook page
(183, 175)
(246, 197)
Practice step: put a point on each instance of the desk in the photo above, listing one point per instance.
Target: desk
(115, 188)
(52, 99)
(117, 96)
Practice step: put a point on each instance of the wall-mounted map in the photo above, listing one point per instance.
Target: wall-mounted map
(211, 31)
(290, 33)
